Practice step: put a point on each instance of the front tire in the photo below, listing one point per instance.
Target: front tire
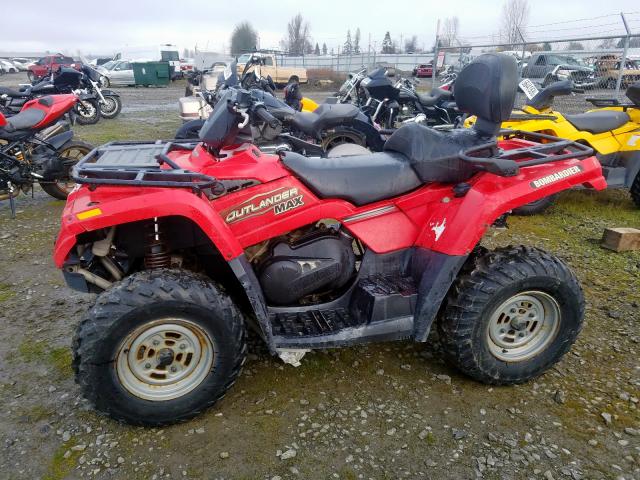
(87, 111)
(112, 106)
(190, 130)
(159, 347)
(635, 190)
(512, 314)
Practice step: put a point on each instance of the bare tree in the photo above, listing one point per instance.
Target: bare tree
(298, 40)
(411, 44)
(515, 16)
(450, 31)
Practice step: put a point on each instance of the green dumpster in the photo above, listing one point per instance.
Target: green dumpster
(151, 73)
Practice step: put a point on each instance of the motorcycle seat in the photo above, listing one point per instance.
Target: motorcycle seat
(9, 92)
(359, 179)
(24, 120)
(436, 95)
(599, 121)
(325, 116)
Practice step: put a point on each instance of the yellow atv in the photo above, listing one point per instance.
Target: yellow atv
(613, 131)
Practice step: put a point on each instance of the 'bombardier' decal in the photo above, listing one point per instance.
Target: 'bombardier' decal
(279, 201)
(554, 177)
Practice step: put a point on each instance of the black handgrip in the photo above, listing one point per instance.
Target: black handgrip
(262, 113)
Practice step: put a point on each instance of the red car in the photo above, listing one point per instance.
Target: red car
(423, 70)
(51, 62)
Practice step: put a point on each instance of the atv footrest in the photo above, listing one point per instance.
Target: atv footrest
(384, 296)
(311, 322)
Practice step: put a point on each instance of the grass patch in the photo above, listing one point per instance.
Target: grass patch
(60, 467)
(5, 292)
(147, 125)
(59, 358)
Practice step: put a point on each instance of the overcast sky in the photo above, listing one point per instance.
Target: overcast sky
(102, 28)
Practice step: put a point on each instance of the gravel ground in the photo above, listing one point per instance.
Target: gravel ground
(383, 411)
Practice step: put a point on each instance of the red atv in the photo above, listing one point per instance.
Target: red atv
(190, 244)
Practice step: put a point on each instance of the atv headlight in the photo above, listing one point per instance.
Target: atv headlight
(563, 74)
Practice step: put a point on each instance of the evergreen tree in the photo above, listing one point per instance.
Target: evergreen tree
(317, 49)
(347, 49)
(387, 44)
(356, 42)
(324, 48)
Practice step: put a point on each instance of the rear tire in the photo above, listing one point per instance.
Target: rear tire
(111, 108)
(87, 111)
(128, 351)
(635, 190)
(511, 314)
(74, 150)
(538, 206)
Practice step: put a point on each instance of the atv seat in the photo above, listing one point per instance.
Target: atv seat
(359, 179)
(436, 95)
(325, 116)
(598, 122)
(416, 154)
(23, 120)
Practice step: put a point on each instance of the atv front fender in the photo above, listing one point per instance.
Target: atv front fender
(111, 206)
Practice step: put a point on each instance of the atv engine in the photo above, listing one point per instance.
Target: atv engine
(318, 261)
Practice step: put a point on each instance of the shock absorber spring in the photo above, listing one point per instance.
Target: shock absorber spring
(156, 251)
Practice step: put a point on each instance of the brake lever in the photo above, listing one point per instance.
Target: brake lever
(245, 119)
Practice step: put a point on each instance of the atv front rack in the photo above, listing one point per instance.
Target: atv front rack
(548, 149)
(138, 164)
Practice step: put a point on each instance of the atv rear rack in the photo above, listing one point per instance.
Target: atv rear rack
(609, 102)
(138, 164)
(548, 149)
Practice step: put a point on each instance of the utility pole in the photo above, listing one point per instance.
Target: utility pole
(624, 54)
(434, 63)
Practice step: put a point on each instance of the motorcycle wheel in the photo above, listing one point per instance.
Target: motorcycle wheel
(87, 111)
(342, 136)
(111, 106)
(190, 130)
(62, 187)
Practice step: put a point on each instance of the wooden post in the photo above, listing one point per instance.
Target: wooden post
(621, 239)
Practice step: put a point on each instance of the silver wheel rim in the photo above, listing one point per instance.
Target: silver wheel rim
(89, 110)
(523, 326)
(164, 359)
(109, 105)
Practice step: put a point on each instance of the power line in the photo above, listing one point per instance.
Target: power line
(575, 21)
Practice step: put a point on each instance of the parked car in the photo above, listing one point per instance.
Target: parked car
(608, 67)
(23, 64)
(549, 67)
(44, 65)
(116, 72)
(8, 67)
(423, 70)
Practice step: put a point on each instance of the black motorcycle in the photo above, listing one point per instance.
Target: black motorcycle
(390, 103)
(326, 128)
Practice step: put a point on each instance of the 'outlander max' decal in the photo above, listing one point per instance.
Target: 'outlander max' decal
(555, 177)
(279, 201)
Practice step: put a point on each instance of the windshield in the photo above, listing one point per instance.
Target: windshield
(169, 55)
(561, 60)
(109, 65)
(244, 58)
